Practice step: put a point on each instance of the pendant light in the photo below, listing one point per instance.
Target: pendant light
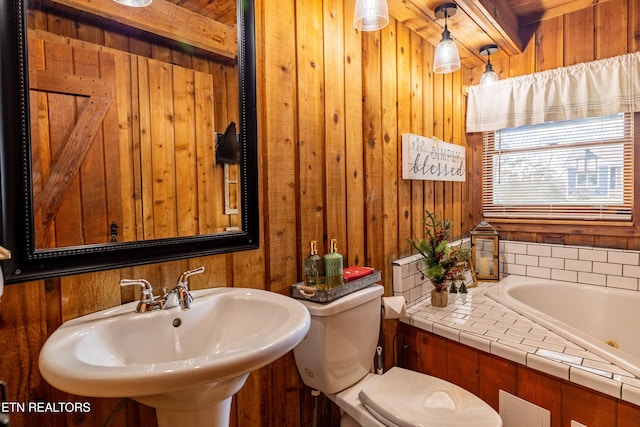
(447, 58)
(489, 76)
(370, 15)
(134, 3)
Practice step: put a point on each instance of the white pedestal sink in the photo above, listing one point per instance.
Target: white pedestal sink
(186, 364)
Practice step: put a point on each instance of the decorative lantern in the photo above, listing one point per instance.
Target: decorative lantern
(484, 251)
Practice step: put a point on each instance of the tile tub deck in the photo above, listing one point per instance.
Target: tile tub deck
(478, 321)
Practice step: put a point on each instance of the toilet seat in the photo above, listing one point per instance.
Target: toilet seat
(406, 398)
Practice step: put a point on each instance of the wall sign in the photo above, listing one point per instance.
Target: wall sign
(431, 159)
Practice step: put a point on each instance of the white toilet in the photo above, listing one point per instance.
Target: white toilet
(336, 358)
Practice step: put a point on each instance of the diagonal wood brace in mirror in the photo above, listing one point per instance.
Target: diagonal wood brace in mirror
(71, 158)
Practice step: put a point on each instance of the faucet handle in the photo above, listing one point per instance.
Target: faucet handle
(182, 288)
(182, 280)
(147, 301)
(147, 289)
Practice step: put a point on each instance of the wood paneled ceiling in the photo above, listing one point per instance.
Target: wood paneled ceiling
(210, 24)
(506, 23)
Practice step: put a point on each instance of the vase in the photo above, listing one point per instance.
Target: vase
(439, 298)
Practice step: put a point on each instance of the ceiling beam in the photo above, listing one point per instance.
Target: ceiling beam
(559, 10)
(418, 16)
(167, 20)
(498, 21)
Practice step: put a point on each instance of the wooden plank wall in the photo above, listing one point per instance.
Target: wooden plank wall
(158, 139)
(602, 30)
(332, 105)
(94, 193)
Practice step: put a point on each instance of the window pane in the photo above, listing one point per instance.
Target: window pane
(559, 176)
(573, 169)
(561, 133)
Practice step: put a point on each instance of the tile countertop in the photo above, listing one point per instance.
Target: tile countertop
(478, 321)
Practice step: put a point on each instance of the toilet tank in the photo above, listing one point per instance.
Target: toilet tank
(338, 351)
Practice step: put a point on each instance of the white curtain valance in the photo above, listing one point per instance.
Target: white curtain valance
(589, 89)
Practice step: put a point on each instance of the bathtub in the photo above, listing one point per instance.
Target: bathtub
(593, 317)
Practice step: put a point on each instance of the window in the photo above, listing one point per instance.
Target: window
(577, 169)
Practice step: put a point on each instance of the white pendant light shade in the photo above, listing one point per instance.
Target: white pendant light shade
(447, 58)
(489, 76)
(370, 15)
(134, 3)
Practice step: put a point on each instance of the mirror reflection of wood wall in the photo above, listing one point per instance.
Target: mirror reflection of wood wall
(147, 163)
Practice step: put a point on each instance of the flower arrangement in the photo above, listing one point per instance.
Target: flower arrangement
(442, 261)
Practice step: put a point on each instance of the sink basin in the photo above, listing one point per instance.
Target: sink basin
(183, 363)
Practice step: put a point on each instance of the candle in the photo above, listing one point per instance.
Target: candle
(484, 266)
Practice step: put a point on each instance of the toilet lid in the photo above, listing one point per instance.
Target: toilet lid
(410, 399)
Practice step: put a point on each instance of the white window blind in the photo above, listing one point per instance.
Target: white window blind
(576, 169)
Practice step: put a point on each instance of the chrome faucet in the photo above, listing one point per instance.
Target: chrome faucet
(182, 288)
(148, 302)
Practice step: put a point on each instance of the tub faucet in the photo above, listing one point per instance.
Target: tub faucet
(148, 302)
(182, 288)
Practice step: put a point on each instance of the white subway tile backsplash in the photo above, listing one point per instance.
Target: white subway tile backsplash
(592, 254)
(415, 294)
(417, 280)
(592, 278)
(630, 283)
(520, 270)
(631, 271)
(592, 266)
(550, 262)
(397, 279)
(406, 270)
(564, 252)
(624, 257)
(564, 275)
(607, 268)
(426, 287)
(539, 272)
(539, 250)
(577, 265)
(514, 247)
(527, 260)
(417, 267)
(508, 257)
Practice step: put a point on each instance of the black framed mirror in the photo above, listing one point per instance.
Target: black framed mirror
(31, 260)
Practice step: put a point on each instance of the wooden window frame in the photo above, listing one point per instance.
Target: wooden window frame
(552, 231)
